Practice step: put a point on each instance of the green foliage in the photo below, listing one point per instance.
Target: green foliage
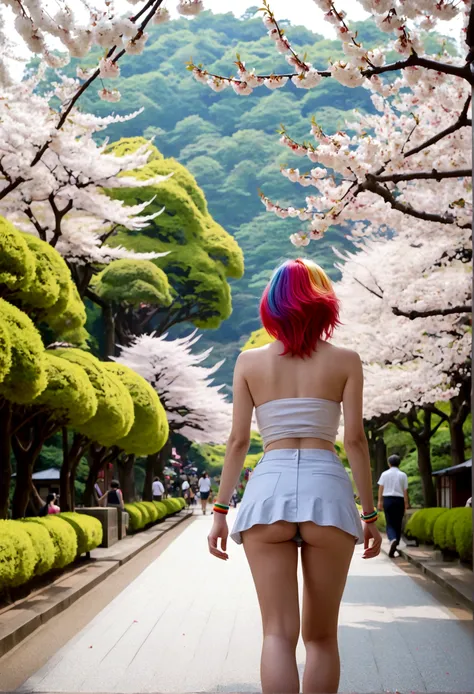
(64, 539)
(148, 514)
(43, 546)
(88, 531)
(137, 519)
(150, 430)
(202, 254)
(49, 291)
(161, 509)
(448, 529)
(133, 282)
(114, 416)
(69, 393)
(172, 505)
(5, 350)
(421, 523)
(69, 324)
(17, 263)
(153, 513)
(258, 338)
(26, 378)
(17, 554)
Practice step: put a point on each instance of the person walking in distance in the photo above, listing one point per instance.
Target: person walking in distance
(393, 500)
(299, 495)
(204, 491)
(158, 489)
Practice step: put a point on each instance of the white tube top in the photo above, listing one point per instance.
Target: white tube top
(298, 418)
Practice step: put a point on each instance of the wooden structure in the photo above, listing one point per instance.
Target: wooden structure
(454, 485)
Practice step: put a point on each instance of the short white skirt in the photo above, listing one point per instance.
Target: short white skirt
(297, 486)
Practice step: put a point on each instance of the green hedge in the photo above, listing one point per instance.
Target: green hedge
(64, 539)
(421, 524)
(136, 518)
(143, 513)
(88, 531)
(17, 555)
(43, 546)
(448, 529)
(161, 509)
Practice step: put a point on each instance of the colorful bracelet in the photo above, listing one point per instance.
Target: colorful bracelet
(221, 508)
(369, 517)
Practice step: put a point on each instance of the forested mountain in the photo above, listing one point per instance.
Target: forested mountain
(230, 143)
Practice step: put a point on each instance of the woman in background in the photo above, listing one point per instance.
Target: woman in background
(299, 494)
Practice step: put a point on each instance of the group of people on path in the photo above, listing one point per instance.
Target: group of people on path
(202, 488)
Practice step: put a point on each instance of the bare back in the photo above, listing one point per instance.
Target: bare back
(270, 376)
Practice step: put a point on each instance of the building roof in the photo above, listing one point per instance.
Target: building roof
(51, 473)
(454, 469)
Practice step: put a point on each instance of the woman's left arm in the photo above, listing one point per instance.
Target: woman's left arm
(236, 451)
(239, 439)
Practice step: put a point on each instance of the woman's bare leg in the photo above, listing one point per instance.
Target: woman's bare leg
(326, 556)
(273, 559)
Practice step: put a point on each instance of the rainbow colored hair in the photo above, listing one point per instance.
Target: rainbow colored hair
(299, 306)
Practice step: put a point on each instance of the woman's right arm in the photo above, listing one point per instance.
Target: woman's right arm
(355, 440)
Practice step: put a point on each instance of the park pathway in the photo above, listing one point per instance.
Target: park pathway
(190, 623)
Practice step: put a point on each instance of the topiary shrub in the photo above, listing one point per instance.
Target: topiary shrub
(439, 531)
(147, 513)
(152, 510)
(136, 517)
(43, 546)
(172, 506)
(421, 524)
(17, 555)
(455, 514)
(462, 528)
(182, 501)
(63, 537)
(88, 531)
(161, 509)
(381, 523)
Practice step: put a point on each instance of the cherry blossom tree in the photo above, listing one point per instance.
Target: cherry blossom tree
(77, 31)
(60, 198)
(195, 407)
(406, 312)
(419, 140)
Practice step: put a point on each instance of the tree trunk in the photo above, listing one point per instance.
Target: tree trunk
(457, 441)
(380, 457)
(459, 410)
(109, 328)
(424, 466)
(151, 465)
(71, 459)
(97, 457)
(127, 478)
(5, 453)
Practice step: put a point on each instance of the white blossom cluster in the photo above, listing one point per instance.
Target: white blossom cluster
(389, 144)
(407, 361)
(61, 197)
(401, 20)
(42, 28)
(195, 407)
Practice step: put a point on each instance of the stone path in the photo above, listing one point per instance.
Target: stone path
(190, 623)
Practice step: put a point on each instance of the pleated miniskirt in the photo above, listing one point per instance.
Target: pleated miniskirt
(297, 485)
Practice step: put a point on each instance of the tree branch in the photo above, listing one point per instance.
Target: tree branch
(432, 312)
(371, 185)
(423, 175)
(461, 122)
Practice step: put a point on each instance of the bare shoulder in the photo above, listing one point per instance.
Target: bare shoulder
(250, 357)
(347, 356)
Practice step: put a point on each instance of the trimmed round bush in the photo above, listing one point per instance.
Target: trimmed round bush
(421, 524)
(172, 506)
(152, 510)
(64, 539)
(136, 517)
(43, 546)
(182, 501)
(161, 509)
(17, 554)
(462, 529)
(148, 515)
(88, 531)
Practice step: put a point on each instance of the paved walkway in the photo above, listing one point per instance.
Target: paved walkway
(190, 623)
